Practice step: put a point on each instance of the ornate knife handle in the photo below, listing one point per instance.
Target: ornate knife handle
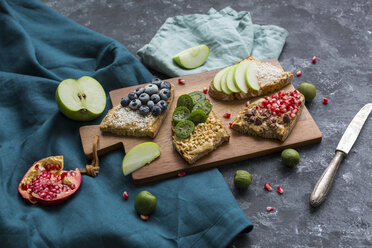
(325, 181)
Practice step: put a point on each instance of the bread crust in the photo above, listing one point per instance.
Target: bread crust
(279, 82)
(281, 132)
(150, 126)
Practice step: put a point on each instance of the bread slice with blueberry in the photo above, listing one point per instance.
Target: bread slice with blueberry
(142, 112)
(270, 78)
(271, 117)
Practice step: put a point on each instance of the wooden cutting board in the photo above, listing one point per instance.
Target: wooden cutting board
(170, 163)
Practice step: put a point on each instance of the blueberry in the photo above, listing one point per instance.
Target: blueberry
(164, 94)
(144, 110)
(139, 91)
(132, 96)
(165, 85)
(155, 98)
(151, 89)
(150, 104)
(125, 101)
(162, 104)
(135, 104)
(144, 97)
(156, 110)
(157, 82)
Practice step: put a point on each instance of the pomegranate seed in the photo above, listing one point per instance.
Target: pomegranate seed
(249, 102)
(207, 100)
(314, 60)
(181, 81)
(205, 90)
(72, 186)
(280, 190)
(325, 100)
(230, 124)
(227, 115)
(299, 73)
(269, 209)
(144, 217)
(268, 187)
(125, 195)
(36, 166)
(181, 174)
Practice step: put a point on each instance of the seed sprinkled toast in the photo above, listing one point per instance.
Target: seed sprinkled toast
(271, 117)
(128, 122)
(205, 138)
(270, 78)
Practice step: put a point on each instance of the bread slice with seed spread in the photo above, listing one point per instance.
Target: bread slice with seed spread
(271, 117)
(270, 78)
(127, 122)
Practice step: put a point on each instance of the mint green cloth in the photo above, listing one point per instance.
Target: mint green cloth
(230, 36)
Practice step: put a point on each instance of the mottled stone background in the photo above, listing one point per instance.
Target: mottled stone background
(340, 34)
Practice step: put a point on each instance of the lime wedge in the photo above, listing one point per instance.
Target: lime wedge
(139, 156)
(193, 57)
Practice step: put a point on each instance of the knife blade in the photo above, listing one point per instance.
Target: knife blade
(343, 148)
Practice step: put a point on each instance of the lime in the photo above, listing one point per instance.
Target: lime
(242, 179)
(308, 90)
(290, 157)
(193, 57)
(145, 203)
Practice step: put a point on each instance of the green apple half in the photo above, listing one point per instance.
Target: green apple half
(217, 79)
(230, 80)
(82, 100)
(251, 76)
(139, 156)
(240, 74)
(193, 57)
(224, 82)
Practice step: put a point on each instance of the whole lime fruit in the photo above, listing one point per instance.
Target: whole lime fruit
(308, 90)
(242, 179)
(290, 157)
(145, 203)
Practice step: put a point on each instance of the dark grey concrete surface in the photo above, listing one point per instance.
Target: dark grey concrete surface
(340, 34)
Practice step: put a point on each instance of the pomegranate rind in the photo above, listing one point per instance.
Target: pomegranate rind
(33, 172)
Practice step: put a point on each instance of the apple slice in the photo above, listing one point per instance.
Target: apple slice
(239, 76)
(230, 80)
(217, 79)
(139, 156)
(82, 100)
(251, 76)
(193, 57)
(224, 82)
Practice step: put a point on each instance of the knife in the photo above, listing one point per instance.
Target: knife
(348, 139)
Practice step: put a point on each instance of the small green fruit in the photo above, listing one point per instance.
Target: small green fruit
(290, 157)
(242, 179)
(145, 203)
(308, 90)
(193, 57)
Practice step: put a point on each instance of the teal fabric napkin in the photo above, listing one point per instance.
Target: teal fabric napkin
(38, 49)
(230, 36)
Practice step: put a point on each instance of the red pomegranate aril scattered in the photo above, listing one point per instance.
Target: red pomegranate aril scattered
(299, 73)
(144, 217)
(205, 90)
(227, 115)
(230, 124)
(280, 190)
(268, 187)
(325, 100)
(125, 195)
(269, 209)
(314, 60)
(181, 174)
(181, 81)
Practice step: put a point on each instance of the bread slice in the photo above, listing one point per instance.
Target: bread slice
(127, 122)
(268, 118)
(270, 78)
(205, 138)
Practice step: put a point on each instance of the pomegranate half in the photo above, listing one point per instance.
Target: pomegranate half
(46, 183)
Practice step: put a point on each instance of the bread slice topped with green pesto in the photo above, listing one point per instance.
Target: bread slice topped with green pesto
(247, 79)
(271, 117)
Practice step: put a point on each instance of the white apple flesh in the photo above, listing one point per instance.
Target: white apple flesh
(217, 79)
(224, 82)
(82, 100)
(193, 57)
(239, 76)
(251, 76)
(230, 80)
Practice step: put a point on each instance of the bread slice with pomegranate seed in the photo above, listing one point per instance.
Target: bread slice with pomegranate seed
(270, 78)
(271, 117)
(205, 138)
(127, 122)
